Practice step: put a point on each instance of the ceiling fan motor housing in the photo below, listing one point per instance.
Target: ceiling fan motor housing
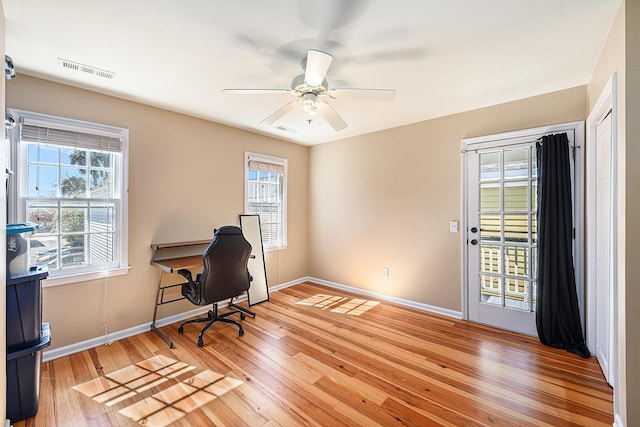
(299, 85)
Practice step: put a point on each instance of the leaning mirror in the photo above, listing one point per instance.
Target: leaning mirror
(259, 290)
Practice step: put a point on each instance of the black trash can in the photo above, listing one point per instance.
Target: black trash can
(24, 374)
(27, 336)
(24, 309)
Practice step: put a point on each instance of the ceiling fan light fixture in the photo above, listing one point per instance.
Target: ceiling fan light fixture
(310, 89)
(310, 103)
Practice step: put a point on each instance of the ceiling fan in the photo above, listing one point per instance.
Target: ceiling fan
(311, 88)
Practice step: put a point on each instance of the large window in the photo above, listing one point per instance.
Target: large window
(266, 196)
(71, 180)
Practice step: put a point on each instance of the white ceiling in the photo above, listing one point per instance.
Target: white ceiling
(441, 56)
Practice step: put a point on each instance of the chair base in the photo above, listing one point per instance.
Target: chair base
(241, 308)
(213, 316)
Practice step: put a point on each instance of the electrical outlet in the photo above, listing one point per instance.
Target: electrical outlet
(453, 226)
(385, 271)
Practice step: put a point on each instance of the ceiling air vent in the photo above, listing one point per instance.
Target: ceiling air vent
(286, 129)
(65, 63)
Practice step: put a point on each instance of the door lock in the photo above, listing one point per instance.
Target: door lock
(474, 229)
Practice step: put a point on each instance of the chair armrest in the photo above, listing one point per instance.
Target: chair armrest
(186, 274)
(192, 285)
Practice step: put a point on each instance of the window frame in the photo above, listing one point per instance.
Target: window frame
(18, 194)
(276, 161)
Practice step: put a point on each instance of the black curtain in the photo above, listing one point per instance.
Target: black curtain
(557, 315)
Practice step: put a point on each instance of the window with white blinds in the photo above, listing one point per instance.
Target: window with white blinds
(266, 195)
(71, 180)
(40, 133)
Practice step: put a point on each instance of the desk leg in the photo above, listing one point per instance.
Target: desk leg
(155, 329)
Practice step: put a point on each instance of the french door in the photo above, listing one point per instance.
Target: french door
(501, 232)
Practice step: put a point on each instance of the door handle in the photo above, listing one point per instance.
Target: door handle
(473, 242)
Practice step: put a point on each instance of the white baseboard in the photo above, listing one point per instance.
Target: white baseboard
(383, 297)
(276, 288)
(118, 335)
(145, 327)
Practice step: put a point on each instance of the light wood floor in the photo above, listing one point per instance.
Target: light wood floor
(305, 365)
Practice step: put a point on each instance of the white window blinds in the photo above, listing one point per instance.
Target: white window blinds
(260, 166)
(31, 132)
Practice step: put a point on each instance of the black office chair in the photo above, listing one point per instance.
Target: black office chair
(224, 276)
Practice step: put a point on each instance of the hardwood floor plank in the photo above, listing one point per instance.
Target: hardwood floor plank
(46, 406)
(308, 365)
(302, 401)
(356, 355)
(361, 388)
(306, 402)
(356, 416)
(65, 403)
(290, 364)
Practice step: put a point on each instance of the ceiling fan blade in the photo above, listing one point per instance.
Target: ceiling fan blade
(257, 91)
(277, 115)
(331, 116)
(328, 16)
(386, 95)
(317, 66)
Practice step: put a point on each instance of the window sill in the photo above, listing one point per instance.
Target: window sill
(83, 277)
(275, 248)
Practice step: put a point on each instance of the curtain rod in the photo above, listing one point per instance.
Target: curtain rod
(475, 150)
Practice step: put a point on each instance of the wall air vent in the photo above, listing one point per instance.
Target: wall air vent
(65, 63)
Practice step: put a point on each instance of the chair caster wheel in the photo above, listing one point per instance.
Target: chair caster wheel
(241, 332)
(180, 330)
(200, 343)
(242, 316)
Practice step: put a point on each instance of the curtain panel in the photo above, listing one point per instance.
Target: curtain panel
(557, 311)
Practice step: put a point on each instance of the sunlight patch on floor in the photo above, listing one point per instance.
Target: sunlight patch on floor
(166, 406)
(355, 307)
(321, 300)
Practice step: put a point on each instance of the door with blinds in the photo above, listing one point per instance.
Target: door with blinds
(501, 232)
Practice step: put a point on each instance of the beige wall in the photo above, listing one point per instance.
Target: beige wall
(632, 208)
(386, 199)
(3, 247)
(185, 179)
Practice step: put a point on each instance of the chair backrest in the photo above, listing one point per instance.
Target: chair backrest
(225, 273)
